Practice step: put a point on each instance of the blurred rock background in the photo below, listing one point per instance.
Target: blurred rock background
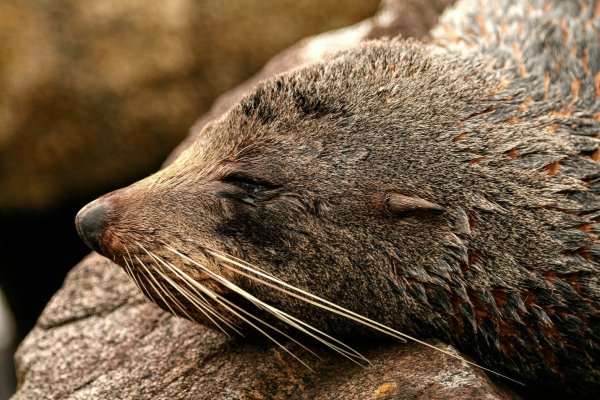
(94, 94)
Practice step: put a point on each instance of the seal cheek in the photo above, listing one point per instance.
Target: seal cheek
(91, 223)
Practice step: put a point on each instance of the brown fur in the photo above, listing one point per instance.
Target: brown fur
(446, 193)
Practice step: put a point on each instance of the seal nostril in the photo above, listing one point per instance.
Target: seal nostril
(90, 222)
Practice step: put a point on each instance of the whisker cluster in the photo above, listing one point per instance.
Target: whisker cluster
(198, 296)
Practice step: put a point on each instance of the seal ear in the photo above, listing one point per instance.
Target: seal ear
(401, 205)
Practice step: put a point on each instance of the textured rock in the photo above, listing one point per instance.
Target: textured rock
(100, 339)
(96, 93)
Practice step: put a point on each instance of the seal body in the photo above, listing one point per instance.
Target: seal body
(448, 190)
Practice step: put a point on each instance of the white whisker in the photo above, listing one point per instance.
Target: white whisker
(246, 312)
(198, 301)
(222, 301)
(329, 306)
(139, 284)
(156, 288)
(339, 310)
(305, 296)
(352, 354)
(167, 294)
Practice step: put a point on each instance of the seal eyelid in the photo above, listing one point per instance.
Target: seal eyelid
(247, 181)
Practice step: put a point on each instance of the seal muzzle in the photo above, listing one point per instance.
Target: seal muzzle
(90, 222)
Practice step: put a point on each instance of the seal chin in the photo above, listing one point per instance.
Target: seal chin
(91, 222)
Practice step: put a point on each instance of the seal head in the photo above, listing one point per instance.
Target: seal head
(396, 182)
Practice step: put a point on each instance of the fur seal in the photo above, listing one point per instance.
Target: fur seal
(447, 190)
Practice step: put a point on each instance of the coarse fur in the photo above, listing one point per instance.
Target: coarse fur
(447, 190)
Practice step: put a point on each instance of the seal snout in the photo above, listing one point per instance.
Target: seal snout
(90, 222)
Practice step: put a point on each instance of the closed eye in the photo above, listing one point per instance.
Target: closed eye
(250, 183)
(248, 189)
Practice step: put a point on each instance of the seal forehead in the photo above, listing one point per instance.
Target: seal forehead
(372, 81)
(338, 109)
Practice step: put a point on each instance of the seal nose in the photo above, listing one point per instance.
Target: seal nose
(90, 222)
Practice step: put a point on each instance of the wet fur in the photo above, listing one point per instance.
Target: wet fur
(491, 131)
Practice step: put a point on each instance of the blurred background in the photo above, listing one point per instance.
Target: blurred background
(94, 95)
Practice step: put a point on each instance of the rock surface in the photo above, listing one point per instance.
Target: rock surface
(96, 93)
(99, 338)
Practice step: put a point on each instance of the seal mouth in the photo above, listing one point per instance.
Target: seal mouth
(90, 223)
